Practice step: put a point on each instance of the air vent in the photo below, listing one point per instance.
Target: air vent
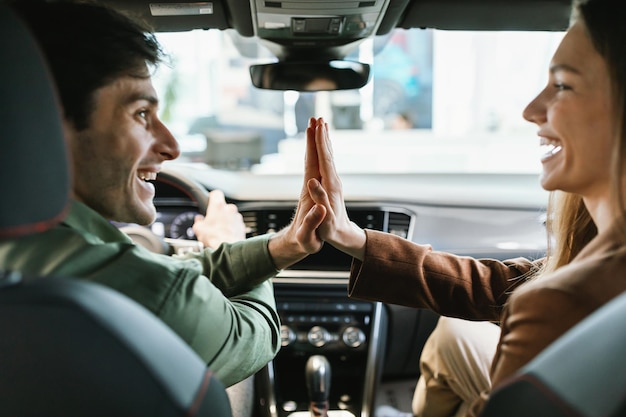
(265, 221)
(399, 224)
(259, 222)
(250, 220)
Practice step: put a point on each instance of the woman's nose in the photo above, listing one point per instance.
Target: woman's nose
(535, 111)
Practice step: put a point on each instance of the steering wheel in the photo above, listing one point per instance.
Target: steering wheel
(147, 238)
(194, 190)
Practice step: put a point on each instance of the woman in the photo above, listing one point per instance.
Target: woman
(580, 115)
(457, 357)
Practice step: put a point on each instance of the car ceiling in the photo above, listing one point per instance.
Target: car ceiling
(330, 29)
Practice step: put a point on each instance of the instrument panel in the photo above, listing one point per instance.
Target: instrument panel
(175, 223)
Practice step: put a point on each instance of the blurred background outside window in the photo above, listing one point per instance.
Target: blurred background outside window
(438, 101)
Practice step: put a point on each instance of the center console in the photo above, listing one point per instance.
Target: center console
(318, 319)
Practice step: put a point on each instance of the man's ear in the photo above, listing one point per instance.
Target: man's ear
(69, 131)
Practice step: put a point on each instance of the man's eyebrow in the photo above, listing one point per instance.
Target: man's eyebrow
(149, 98)
(134, 97)
(563, 67)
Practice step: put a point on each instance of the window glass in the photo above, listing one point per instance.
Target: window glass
(438, 101)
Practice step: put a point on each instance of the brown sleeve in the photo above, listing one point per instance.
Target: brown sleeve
(533, 320)
(398, 271)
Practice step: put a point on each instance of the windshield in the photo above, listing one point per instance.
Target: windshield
(438, 101)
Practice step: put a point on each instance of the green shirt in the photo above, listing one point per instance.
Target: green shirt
(220, 302)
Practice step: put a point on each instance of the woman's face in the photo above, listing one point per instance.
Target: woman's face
(575, 117)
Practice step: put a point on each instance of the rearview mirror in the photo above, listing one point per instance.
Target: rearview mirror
(310, 75)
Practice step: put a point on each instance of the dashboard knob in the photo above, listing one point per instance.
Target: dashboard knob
(318, 336)
(287, 336)
(353, 337)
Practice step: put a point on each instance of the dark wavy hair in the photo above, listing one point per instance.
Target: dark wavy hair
(87, 46)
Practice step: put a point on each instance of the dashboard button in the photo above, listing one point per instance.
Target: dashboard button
(287, 336)
(353, 337)
(318, 336)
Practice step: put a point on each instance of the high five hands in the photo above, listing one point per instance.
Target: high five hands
(324, 195)
(320, 216)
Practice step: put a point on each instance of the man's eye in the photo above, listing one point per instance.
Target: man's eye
(561, 87)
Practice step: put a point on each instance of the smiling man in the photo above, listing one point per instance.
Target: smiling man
(219, 301)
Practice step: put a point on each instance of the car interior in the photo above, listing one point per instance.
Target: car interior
(366, 352)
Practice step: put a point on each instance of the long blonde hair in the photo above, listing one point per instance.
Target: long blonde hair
(570, 228)
(604, 22)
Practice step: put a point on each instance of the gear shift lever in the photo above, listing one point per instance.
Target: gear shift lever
(317, 375)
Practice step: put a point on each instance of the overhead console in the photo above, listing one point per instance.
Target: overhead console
(319, 320)
(316, 19)
(330, 28)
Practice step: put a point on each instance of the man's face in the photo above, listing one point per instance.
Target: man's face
(123, 147)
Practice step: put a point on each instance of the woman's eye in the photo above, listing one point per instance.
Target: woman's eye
(561, 86)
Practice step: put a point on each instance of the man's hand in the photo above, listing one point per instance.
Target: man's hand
(222, 222)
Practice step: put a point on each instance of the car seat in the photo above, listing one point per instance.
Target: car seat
(69, 347)
(582, 374)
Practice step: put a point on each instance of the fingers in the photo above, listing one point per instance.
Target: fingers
(307, 232)
(318, 194)
(311, 169)
(314, 217)
(325, 153)
(309, 215)
(216, 201)
(221, 223)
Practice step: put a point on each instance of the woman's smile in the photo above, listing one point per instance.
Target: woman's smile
(549, 149)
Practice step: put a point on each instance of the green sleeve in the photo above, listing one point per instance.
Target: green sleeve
(236, 336)
(237, 267)
(228, 315)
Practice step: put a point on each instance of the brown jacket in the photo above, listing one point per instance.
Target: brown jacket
(398, 271)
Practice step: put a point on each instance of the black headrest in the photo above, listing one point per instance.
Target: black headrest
(34, 171)
(73, 348)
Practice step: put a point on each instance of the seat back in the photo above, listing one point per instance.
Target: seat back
(33, 161)
(69, 347)
(582, 374)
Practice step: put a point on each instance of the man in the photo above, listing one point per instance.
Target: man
(219, 301)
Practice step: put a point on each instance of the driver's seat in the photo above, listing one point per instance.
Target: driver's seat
(68, 347)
